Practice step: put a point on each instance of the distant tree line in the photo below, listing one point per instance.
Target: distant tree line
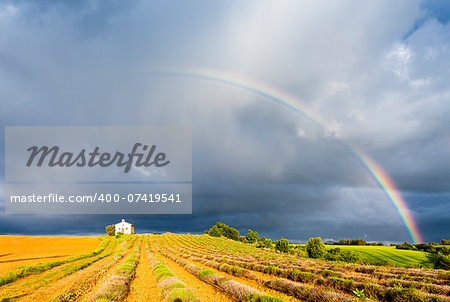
(431, 247)
(315, 248)
(355, 242)
(221, 229)
(445, 242)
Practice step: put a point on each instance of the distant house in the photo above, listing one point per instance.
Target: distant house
(124, 227)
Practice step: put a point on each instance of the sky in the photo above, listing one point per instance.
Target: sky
(376, 71)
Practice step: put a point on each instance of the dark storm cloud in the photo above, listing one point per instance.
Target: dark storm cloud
(376, 72)
(422, 165)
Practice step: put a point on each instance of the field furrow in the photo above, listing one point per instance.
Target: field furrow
(203, 291)
(332, 280)
(261, 256)
(248, 253)
(74, 287)
(172, 288)
(173, 267)
(251, 285)
(47, 292)
(144, 285)
(115, 286)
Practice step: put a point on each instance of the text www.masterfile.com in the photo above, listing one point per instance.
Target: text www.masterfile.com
(98, 197)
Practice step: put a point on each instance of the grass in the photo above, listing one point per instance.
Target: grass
(389, 254)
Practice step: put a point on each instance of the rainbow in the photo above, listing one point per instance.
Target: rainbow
(294, 104)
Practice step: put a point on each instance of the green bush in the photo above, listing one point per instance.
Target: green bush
(444, 242)
(444, 250)
(337, 254)
(439, 260)
(406, 246)
(268, 244)
(221, 229)
(282, 245)
(252, 237)
(243, 239)
(111, 230)
(315, 248)
(215, 231)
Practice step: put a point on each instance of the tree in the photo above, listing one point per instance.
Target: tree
(444, 242)
(243, 239)
(282, 245)
(215, 231)
(111, 230)
(228, 231)
(315, 248)
(252, 237)
(268, 244)
(221, 229)
(439, 260)
(405, 246)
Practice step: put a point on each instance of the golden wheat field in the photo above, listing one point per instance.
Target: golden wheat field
(173, 267)
(16, 251)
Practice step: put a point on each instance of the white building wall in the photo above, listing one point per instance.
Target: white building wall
(123, 227)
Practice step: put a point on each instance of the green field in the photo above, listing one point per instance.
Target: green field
(387, 253)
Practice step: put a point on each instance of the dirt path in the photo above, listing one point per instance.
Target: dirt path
(144, 286)
(203, 291)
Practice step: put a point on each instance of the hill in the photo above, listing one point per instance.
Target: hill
(388, 253)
